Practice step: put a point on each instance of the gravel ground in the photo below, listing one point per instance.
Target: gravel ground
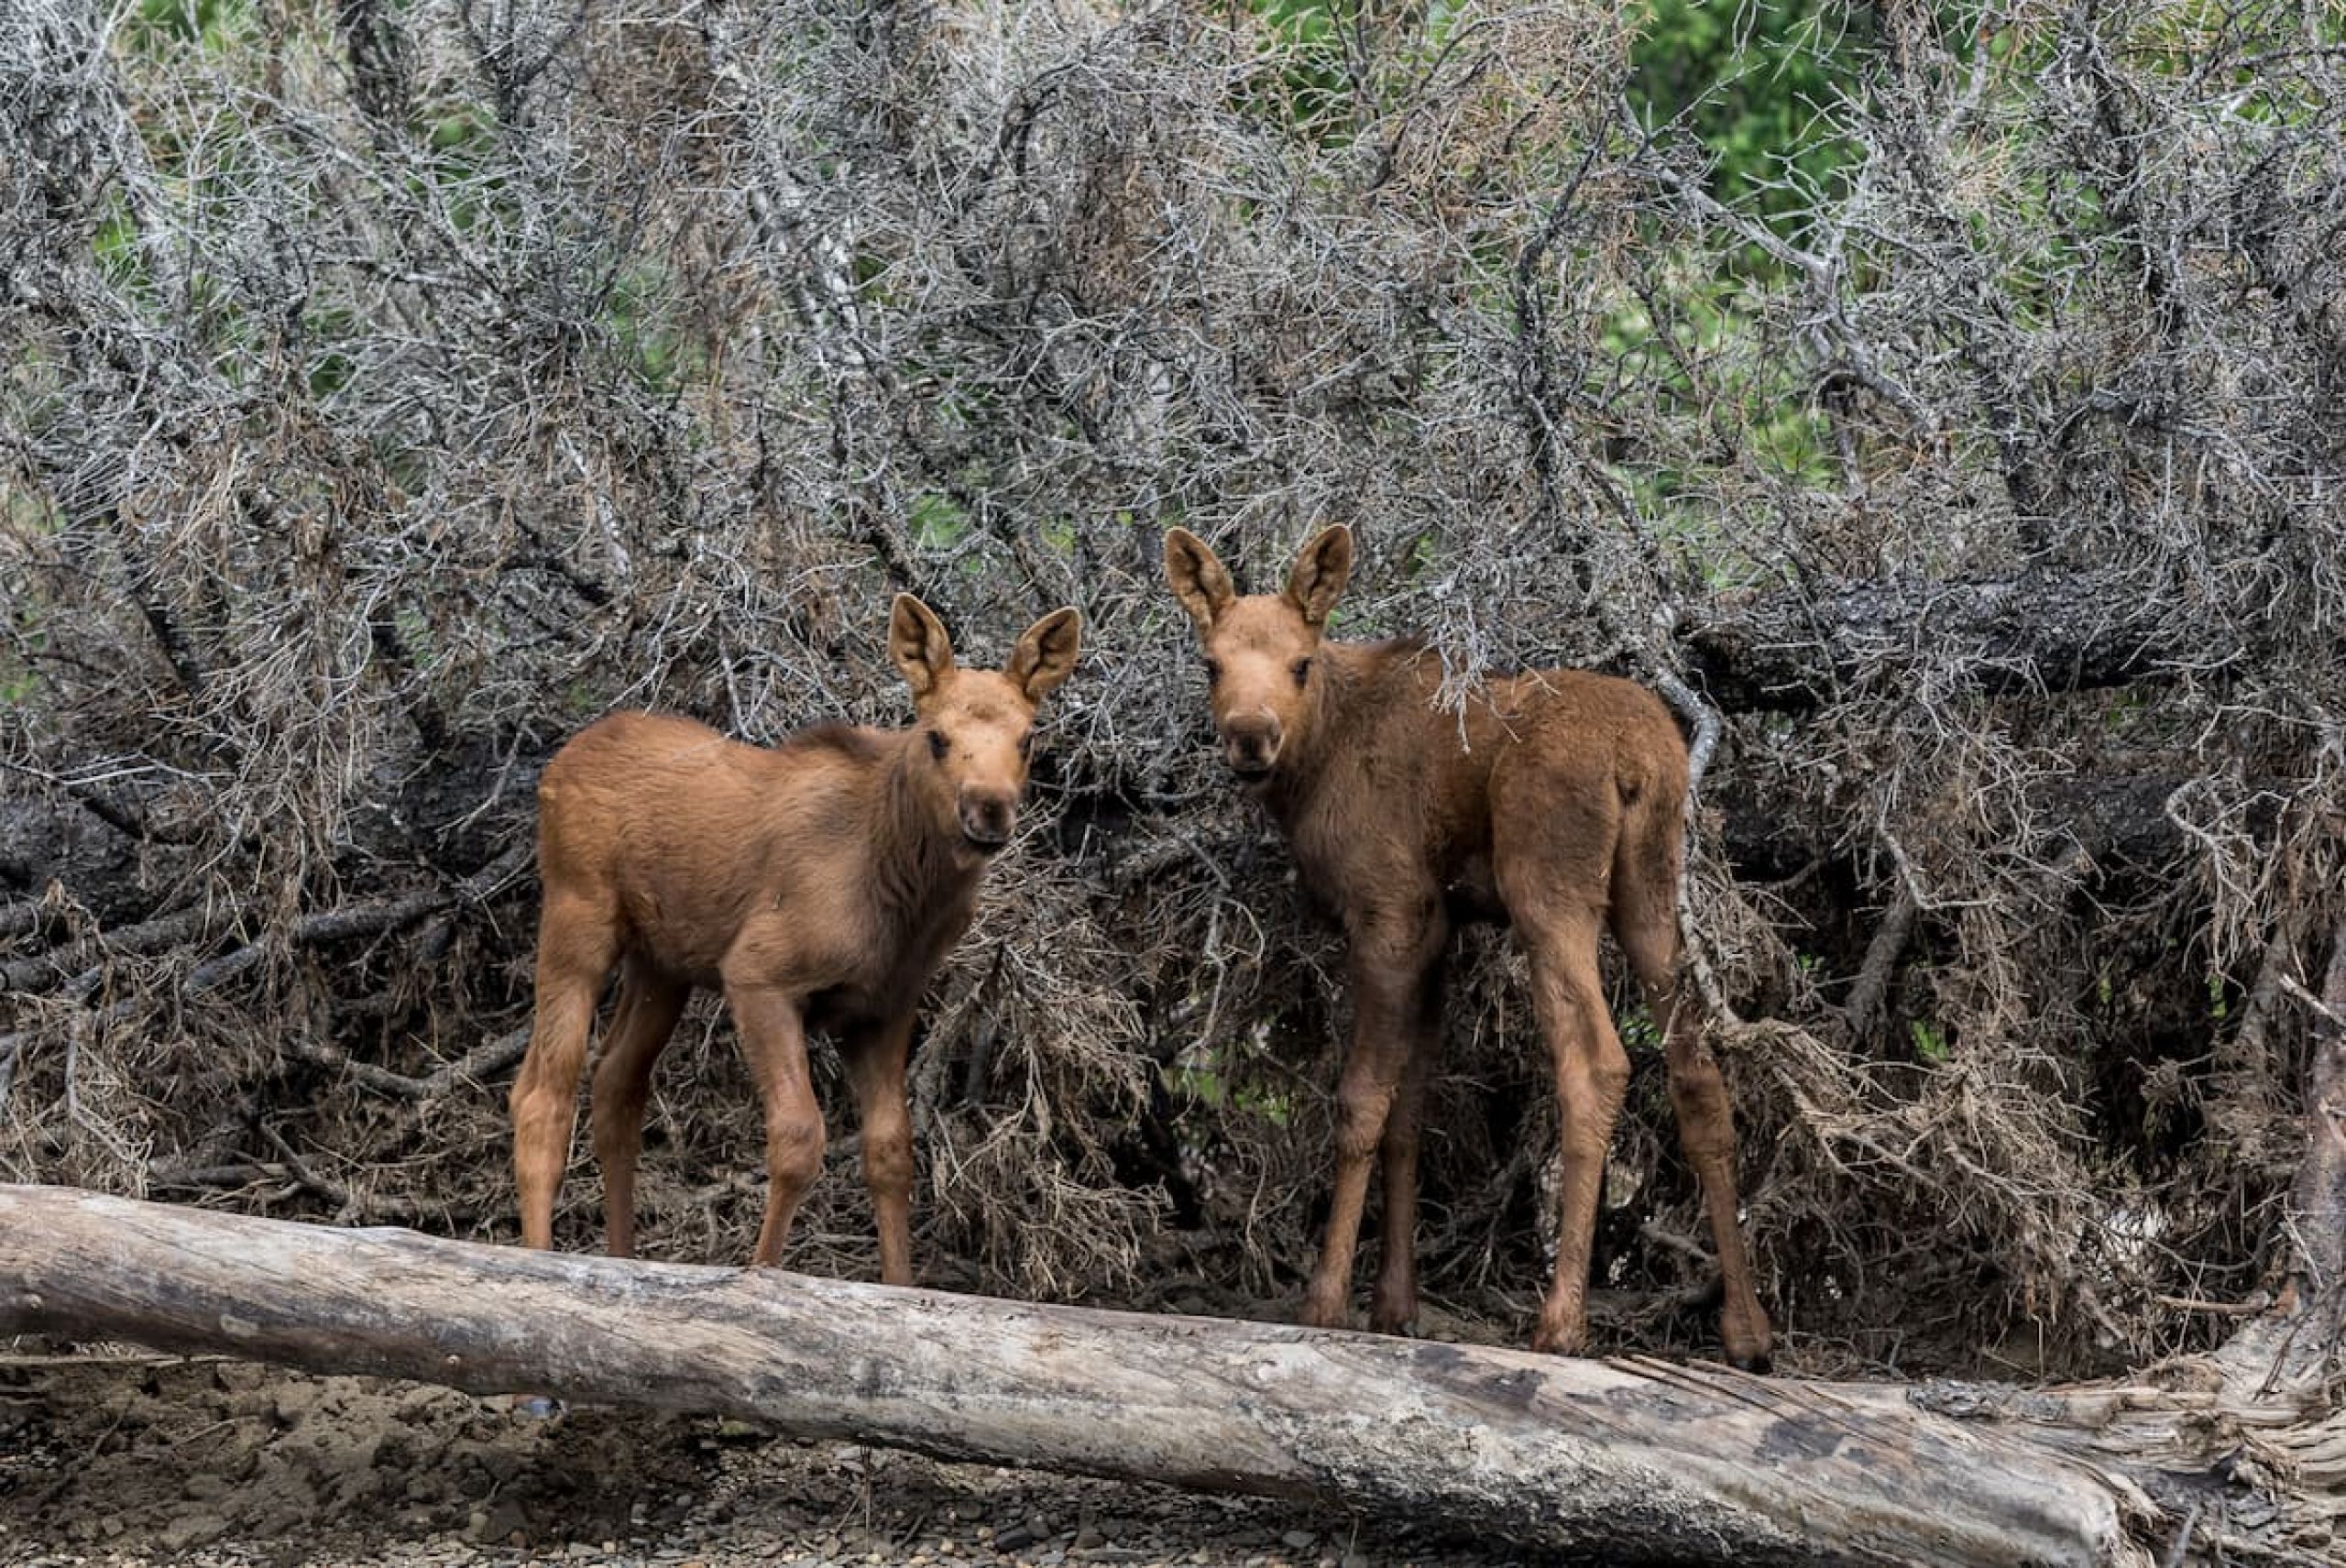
(127, 1463)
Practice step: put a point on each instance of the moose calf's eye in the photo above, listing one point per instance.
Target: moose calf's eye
(938, 745)
(1302, 670)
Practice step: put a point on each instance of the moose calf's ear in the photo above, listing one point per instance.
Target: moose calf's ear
(1199, 579)
(1046, 654)
(917, 641)
(1321, 572)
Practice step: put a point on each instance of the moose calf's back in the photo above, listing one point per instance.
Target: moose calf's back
(1566, 751)
(691, 833)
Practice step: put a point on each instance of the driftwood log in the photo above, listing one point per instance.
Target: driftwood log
(2043, 631)
(1639, 1459)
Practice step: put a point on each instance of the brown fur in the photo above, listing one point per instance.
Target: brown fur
(818, 885)
(1554, 803)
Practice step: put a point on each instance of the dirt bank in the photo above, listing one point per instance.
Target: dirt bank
(126, 1462)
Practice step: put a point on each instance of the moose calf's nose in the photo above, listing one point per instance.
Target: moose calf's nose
(1253, 742)
(986, 819)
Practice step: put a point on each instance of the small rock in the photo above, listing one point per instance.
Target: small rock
(500, 1464)
(1014, 1538)
(194, 1529)
(1300, 1539)
(290, 1402)
(499, 1522)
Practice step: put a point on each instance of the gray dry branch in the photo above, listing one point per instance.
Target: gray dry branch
(390, 390)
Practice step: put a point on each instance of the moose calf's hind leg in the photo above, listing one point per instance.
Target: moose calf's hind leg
(1646, 921)
(645, 1016)
(574, 951)
(1592, 1080)
(1707, 1129)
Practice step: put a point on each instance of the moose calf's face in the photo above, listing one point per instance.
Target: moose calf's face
(978, 725)
(1262, 650)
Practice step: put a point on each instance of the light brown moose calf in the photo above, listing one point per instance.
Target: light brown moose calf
(818, 885)
(1556, 803)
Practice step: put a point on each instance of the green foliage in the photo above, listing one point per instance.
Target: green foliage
(115, 248)
(1930, 1042)
(162, 26)
(1319, 92)
(1313, 85)
(1751, 80)
(637, 314)
(937, 521)
(1219, 1079)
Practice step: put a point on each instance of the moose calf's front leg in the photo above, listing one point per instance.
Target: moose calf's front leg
(774, 1038)
(875, 1064)
(1387, 977)
(1395, 1306)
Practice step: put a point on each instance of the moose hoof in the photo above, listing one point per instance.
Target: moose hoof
(1561, 1339)
(1318, 1314)
(1748, 1340)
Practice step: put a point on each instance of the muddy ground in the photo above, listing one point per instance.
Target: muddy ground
(127, 1460)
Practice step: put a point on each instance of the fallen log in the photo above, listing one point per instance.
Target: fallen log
(1637, 1458)
(1793, 650)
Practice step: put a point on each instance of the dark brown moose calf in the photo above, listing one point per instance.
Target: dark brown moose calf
(1555, 802)
(818, 885)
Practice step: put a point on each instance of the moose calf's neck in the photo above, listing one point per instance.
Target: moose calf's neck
(1374, 765)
